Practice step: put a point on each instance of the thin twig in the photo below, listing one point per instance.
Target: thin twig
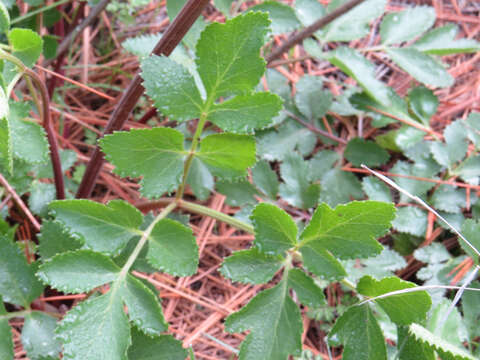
(170, 39)
(19, 202)
(309, 30)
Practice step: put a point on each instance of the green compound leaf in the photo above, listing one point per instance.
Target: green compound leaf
(411, 220)
(403, 309)
(283, 16)
(422, 67)
(78, 271)
(172, 88)
(251, 266)
(29, 140)
(297, 190)
(275, 325)
(38, 336)
(405, 25)
(360, 334)
(310, 98)
(363, 71)
(410, 348)
(423, 104)
(346, 232)
(144, 309)
(4, 18)
(441, 41)
(18, 284)
(163, 347)
(245, 113)
(55, 239)
(443, 348)
(471, 231)
(6, 341)
(309, 293)
(172, 248)
(103, 228)
(26, 45)
(355, 24)
(96, 329)
(265, 179)
(275, 230)
(228, 55)
(455, 147)
(6, 150)
(156, 154)
(228, 155)
(360, 151)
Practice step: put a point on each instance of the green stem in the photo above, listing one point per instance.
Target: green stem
(146, 234)
(15, 314)
(203, 210)
(38, 11)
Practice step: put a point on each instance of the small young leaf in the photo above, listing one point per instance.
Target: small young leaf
(233, 65)
(38, 336)
(360, 151)
(156, 154)
(78, 271)
(297, 189)
(26, 45)
(238, 192)
(310, 98)
(29, 140)
(307, 291)
(423, 104)
(376, 189)
(172, 248)
(339, 187)
(441, 41)
(265, 179)
(275, 325)
(411, 220)
(403, 309)
(275, 145)
(163, 347)
(448, 198)
(96, 329)
(228, 155)
(6, 342)
(355, 24)
(41, 194)
(471, 231)
(283, 16)
(144, 309)
(442, 347)
(349, 231)
(455, 147)
(251, 266)
(275, 230)
(172, 88)
(104, 228)
(405, 25)
(245, 113)
(422, 67)
(18, 284)
(55, 239)
(363, 71)
(360, 334)
(309, 11)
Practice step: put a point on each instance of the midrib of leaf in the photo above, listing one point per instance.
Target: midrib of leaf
(133, 231)
(284, 295)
